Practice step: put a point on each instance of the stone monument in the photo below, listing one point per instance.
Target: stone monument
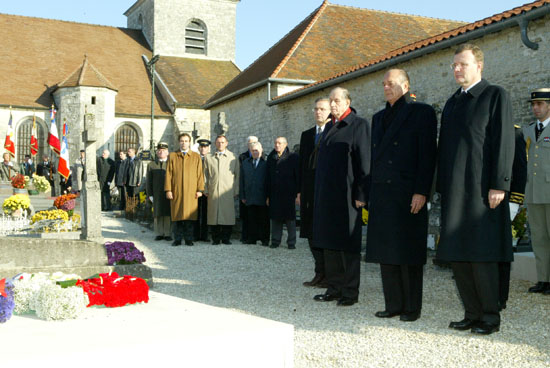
(91, 200)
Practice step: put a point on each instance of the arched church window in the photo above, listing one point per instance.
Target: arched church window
(23, 146)
(195, 38)
(126, 137)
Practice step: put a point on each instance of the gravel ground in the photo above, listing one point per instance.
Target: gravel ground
(268, 283)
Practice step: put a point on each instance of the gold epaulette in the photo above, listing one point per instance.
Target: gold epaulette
(517, 126)
(516, 197)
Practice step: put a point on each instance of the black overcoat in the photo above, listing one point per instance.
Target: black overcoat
(341, 176)
(282, 185)
(403, 163)
(308, 157)
(252, 186)
(105, 169)
(120, 172)
(476, 152)
(156, 175)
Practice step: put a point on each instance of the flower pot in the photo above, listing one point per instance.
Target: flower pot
(20, 191)
(33, 192)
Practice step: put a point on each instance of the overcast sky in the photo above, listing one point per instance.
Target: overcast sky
(260, 23)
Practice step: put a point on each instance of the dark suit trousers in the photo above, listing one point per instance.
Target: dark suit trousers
(243, 214)
(342, 273)
(402, 286)
(503, 282)
(258, 223)
(183, 230)
(318, 257)
(122, 196)
(221, 232)
(201, 227)
(106, 198)
(478, 286)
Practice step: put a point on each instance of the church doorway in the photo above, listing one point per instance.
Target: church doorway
(24, 133)
(126, 137)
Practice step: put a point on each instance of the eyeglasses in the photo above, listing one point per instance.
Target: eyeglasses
(461, 65)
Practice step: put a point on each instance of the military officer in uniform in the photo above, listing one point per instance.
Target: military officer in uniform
(517, 194)
(537, 191)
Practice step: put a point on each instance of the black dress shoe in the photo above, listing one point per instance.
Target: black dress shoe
(189, 243)
(484, 328)
(540, 287)
(215, 242)
(176, 243)
(325, 297)
(291, 247)
(316, 279)
(226, 242)
(159, 237)
(463, 325)
(272, 246)
(250, 242)
(265, 243)
(346, 302)
(386, 314)
(169, 238)
(547, 291)
(409, 317)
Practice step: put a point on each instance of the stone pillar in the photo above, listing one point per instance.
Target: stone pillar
(91, 196)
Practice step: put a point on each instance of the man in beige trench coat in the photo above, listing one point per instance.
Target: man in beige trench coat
(221, 175)
(183, 185)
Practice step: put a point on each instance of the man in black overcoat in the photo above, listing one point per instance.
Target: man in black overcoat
(282, 190)
(105, 174)
(309, 145)
(243, 212)
(474, 170)
(403, 162)
(155, 177)
(341, 190)
(120, 174)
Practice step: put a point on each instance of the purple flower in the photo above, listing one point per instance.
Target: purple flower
(6, 303)
(123, 253)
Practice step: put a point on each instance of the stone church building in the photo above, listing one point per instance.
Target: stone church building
(81, 68)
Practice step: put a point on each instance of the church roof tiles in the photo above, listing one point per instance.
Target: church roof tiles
(334, 38)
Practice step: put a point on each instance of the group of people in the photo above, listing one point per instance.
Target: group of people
(126, 174)
(347, 163)
(45, 168)
(193, 193)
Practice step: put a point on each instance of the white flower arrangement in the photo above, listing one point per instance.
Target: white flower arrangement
(40, 183)
(26, 286)
(39, 292)
(52, 302)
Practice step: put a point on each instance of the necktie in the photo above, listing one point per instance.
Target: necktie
(539, 130)
(318, 135)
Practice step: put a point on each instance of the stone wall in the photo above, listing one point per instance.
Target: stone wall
(507, 62)
(143, 18)
(164, 25)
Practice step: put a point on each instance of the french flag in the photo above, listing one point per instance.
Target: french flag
(8, 144)
(53, 137)
(63, 166)
(34, 140)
